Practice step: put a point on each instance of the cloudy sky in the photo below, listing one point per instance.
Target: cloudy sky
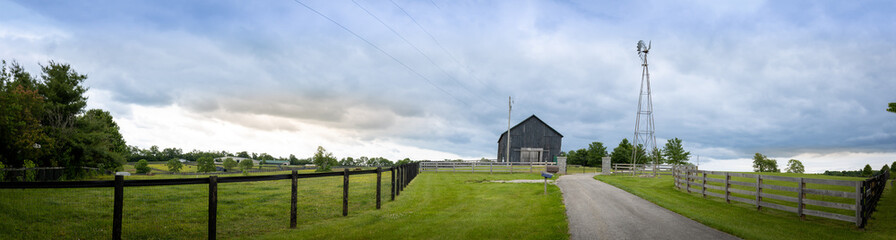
(430, 79)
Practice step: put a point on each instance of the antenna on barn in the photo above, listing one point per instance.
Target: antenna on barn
(644, 120)
(509, 108)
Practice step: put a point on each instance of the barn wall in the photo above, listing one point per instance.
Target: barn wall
(531, 133)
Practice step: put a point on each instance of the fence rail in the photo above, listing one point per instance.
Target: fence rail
(863, 198)
(661, 169)
(489, 167)
(401, 177)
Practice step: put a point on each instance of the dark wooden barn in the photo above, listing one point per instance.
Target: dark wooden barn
(531, 140)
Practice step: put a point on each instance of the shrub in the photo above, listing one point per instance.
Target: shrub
(205, 164)
(142, 166)
(2, 173)
(230, 164)
(245, 165)
(174, 165)
(31, 174)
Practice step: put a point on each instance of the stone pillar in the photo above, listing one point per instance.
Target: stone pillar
(606, 168)
(561, 162)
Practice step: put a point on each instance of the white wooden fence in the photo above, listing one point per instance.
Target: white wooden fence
(824, 201)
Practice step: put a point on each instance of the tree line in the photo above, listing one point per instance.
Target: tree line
(44, 123)
(672, 153)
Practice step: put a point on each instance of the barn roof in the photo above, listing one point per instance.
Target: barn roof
(527, 119)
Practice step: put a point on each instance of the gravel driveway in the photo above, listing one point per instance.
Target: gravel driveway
(597, 210)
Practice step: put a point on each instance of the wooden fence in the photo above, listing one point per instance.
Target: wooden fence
(401, 177)
(661, 169)
(489, 167)
(860, 197)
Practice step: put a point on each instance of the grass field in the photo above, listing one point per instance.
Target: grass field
(434, 206)
(745, 221)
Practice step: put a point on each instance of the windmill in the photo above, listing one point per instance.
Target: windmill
(644, 129)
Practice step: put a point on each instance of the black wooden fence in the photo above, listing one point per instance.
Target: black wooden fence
(401, 177)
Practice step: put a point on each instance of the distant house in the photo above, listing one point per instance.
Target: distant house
(531, 140)
(183, 160)
(277, 162)
(237, 159)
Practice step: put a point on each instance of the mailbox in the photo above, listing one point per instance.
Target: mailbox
(552, 169)
(546, 175)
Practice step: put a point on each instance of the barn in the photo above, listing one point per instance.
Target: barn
(531, 140)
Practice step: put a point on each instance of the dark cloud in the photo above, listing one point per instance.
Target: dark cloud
(731, 79)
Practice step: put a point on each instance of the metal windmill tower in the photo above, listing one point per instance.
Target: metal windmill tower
(644, 121)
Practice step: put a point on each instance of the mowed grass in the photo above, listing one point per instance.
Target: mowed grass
(452, 206)
(179, 212)
(743, 220)
(434, 206)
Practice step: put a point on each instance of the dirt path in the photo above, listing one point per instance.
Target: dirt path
(597, 210)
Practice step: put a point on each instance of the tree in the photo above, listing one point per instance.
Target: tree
(403, 161)
(245, 165)
(230, 164)
(893, 170)
(885, 169)
(245, 154)
(205, 164)
(622, 153)
(761, 163)
(30, 172)
(867, 170)
(142, 166)
(795, 166)
(595, 152)
(174, 165)
(892, 108)
(21, 107)
(2, 173)
(323, 159)
(675, 153)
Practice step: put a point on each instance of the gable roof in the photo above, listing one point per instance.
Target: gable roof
(527, 119)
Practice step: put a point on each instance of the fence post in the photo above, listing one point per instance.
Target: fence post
(800, 196)
(117, 208)
(398, 172)
(727, 185)
(511, 167)
(758, 191)
(212, 206)
(859, 197)
(530, 167)
(392, 180)
(379, 172)
(345, 192)
(473, 168)
(490, 165)
(704, 185)
(687, 179)
(293, 219)
(453, 167)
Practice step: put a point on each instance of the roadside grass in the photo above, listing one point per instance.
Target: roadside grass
(744, 221)
(180, 212)
(451, 206)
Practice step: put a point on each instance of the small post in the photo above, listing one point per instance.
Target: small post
(379, 173)
(545, 186)
(117, 208)
(511, 167)
(687, 179)
(398, 172)
(473, 168)
(530, 167)
(293, 219)
(212, 206)
(727, 185)
(800, 196)
(345, 192)
(392, 181)
(490, 166)
(859, 197)
(758, 191)
(453, 167)
(704, 185)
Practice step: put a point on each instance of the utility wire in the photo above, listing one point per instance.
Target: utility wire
(382, 51)
(443, 48)
(422, 53)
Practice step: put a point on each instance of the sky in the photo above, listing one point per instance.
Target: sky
(806, 80)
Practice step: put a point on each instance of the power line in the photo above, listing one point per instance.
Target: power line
(442, 47)
(382, 51)
(422, 53)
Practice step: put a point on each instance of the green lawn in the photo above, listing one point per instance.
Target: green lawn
(452, 206)
(434, 206)
(745, 221)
